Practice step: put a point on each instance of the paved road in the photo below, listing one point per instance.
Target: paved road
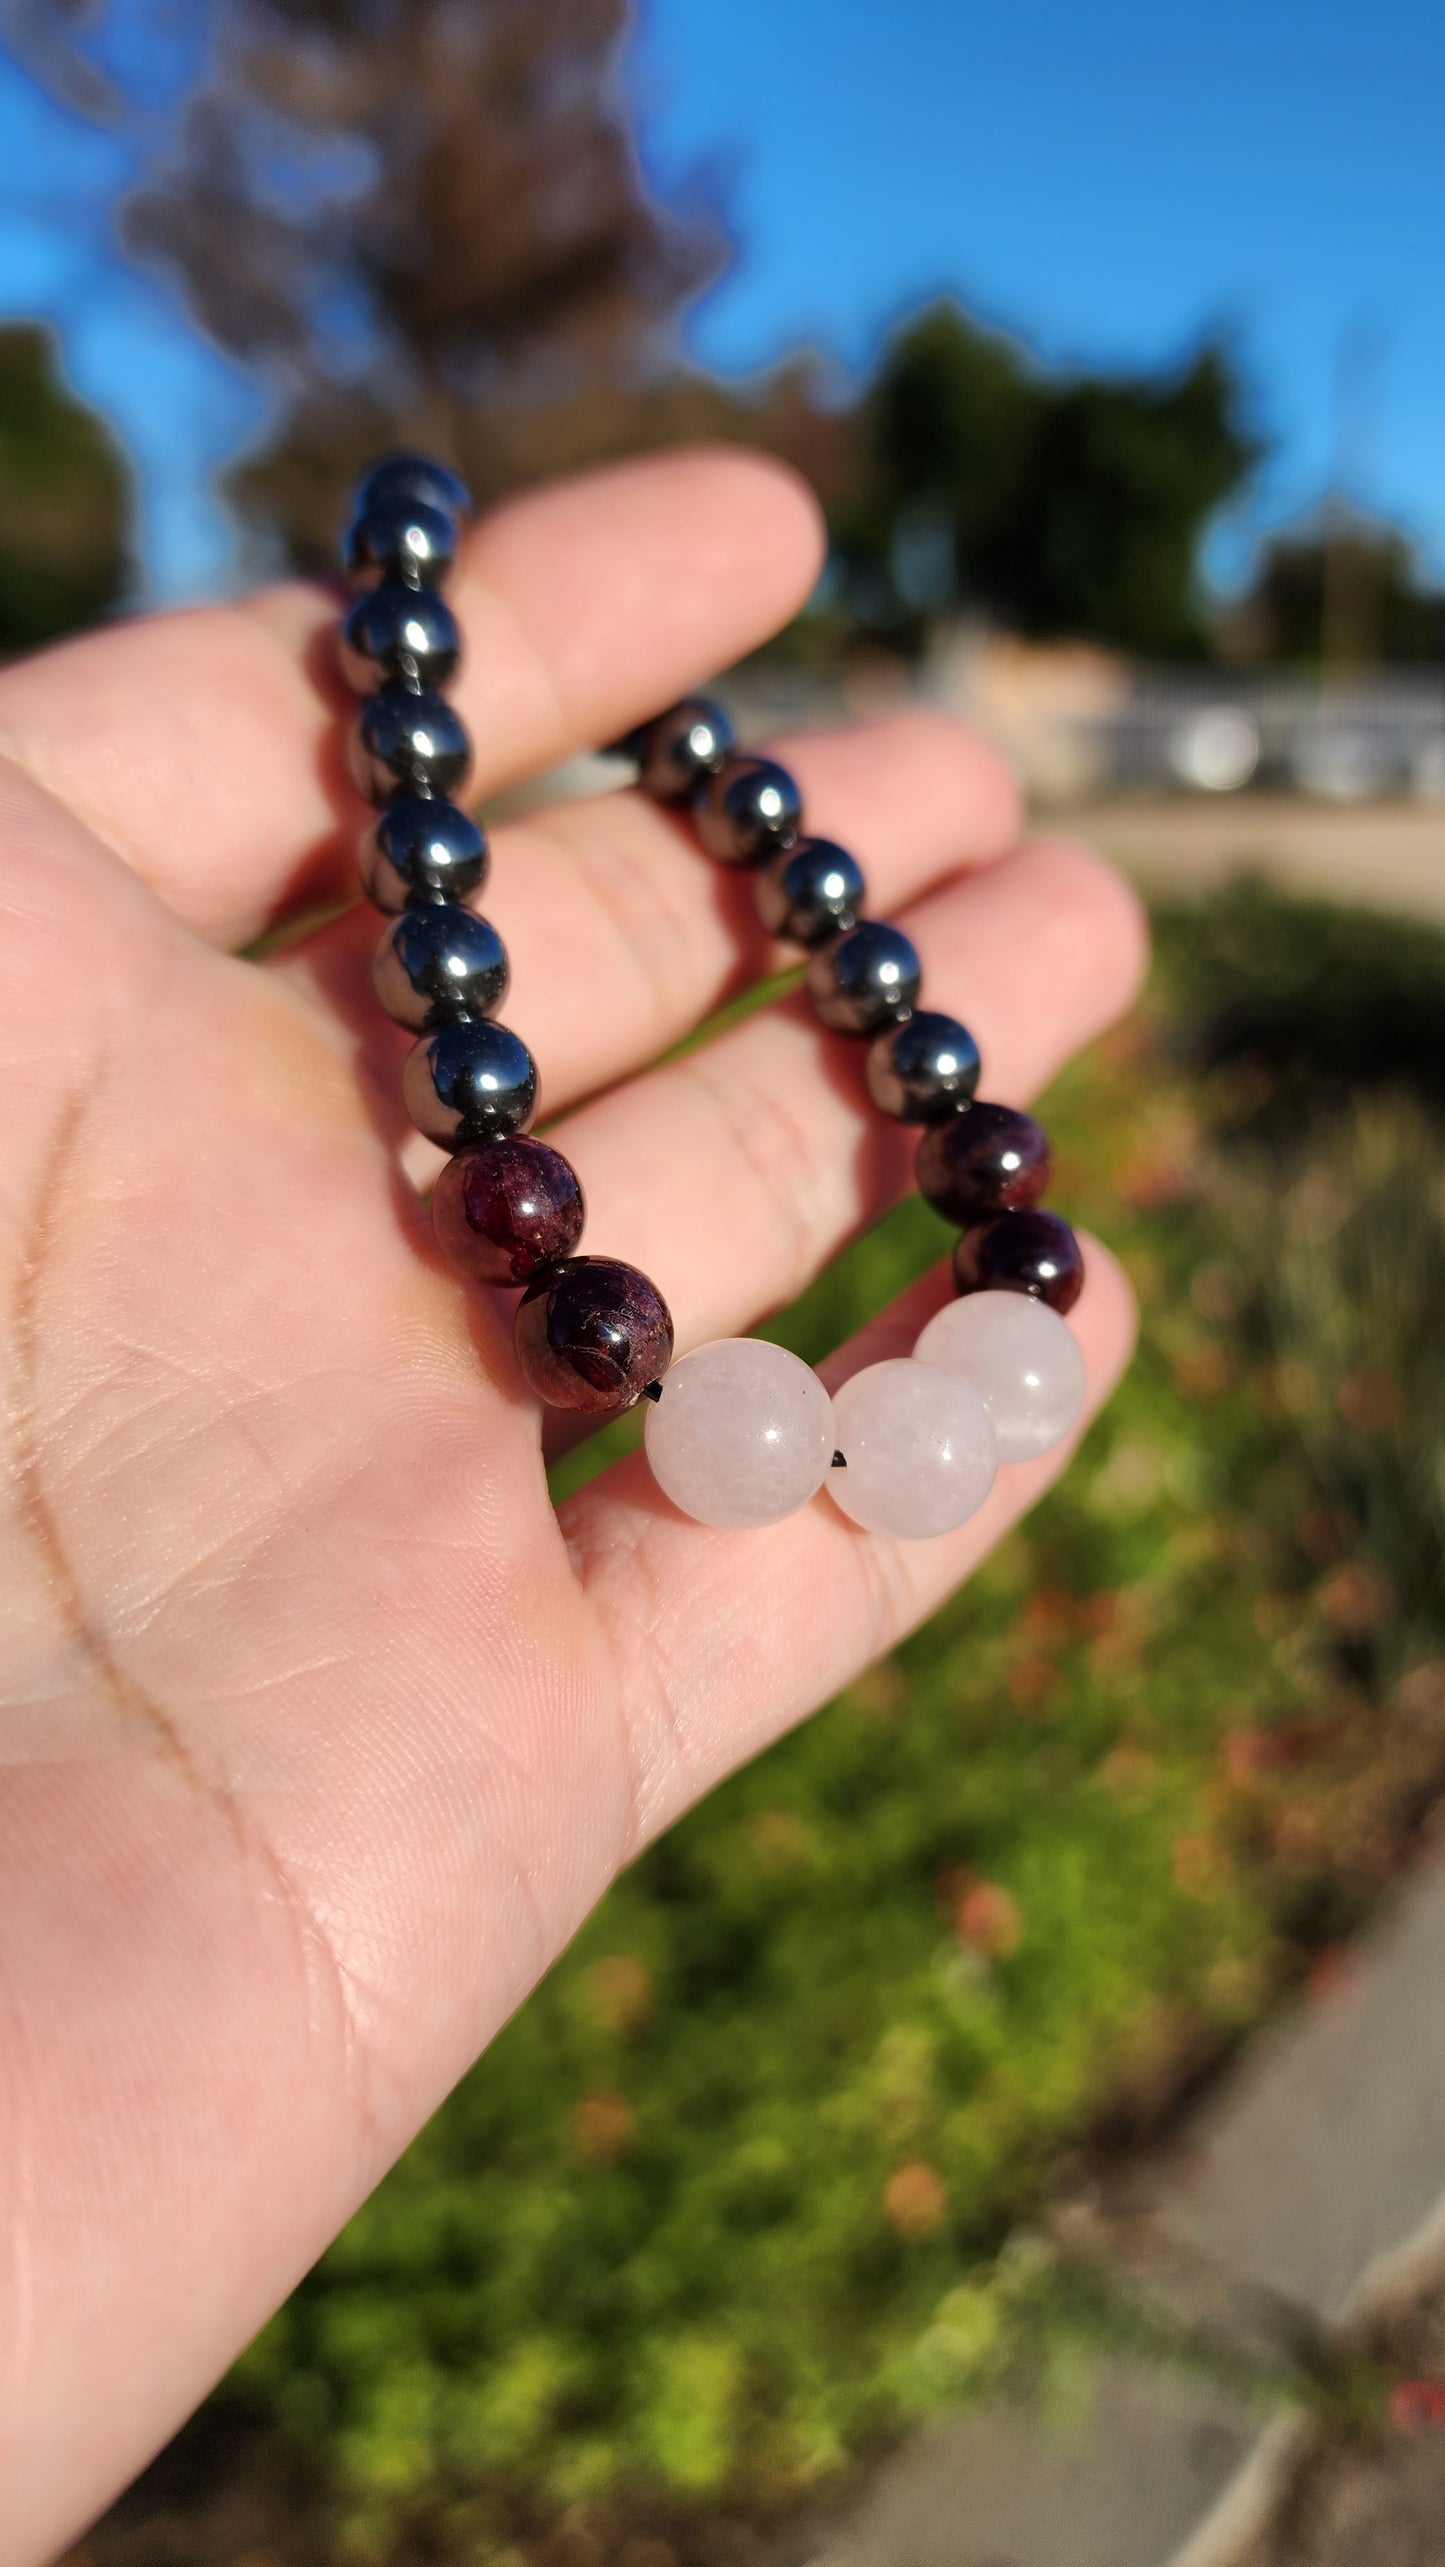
(1388, 855)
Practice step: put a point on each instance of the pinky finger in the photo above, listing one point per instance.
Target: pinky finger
(725, 1640)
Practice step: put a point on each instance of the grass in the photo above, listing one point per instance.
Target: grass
(730, 2201)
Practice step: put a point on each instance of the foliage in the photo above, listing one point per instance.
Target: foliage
(419, 220)
(64, 499)
(721, 2207)
(1346, 593)
(1047, 504)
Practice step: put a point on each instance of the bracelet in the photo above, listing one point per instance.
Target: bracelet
(739, 1432)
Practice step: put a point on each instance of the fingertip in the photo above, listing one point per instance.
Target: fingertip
(912, 779)
(1092, 896)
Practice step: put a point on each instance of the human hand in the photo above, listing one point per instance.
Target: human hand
(319, 1730)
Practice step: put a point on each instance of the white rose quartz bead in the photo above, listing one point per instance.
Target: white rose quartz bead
(1022, 1360)
(743, 1433)
(920, 1447)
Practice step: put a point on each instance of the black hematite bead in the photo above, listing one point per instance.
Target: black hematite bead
(405, 743)
(1030, 1252)
(400, 540)
(810, 892)
(591, 1334)
(681, 748)
(867, 978)
(435, 966)
(396, 636)
(468, 1083)
(412, 477)
(987, 1159)
(748, 810)
(924, 1070)
(422, 849)
(504, 1212)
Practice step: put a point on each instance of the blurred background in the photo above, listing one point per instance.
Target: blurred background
(1112, 343)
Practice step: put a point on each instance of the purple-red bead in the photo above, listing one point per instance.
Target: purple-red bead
(592, 1334)
(505, 1211)
(986, 1159)
(1032, 1252)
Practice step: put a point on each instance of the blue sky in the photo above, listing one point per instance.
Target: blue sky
(1108, 182)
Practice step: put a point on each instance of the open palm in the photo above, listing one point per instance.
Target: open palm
(319, 1730)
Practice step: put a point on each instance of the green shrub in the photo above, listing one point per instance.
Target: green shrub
(723, 2205)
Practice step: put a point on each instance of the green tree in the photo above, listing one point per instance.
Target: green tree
(64, 499)
(1344, 591)
(1071, 506)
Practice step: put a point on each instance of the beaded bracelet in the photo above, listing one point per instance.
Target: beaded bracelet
(740, 1432)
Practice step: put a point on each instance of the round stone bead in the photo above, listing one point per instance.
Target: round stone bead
(400, 539)
(467, 1083)
(987, 1159)
(743, 1433)
(748, 810)
(396, 636)
(867, 978)
(681, 749)
(925, 1069)
(591, 1334)
(503, 1212)
(1022, 1360)
(920, 1447)
(436, 965)
(406, 478)
(405, 743)
(422, 849)
(1033, 1252)
(810, 892)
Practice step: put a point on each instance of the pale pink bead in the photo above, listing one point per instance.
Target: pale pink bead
(743, 1433)
(1022, 1360)
(920, 1449)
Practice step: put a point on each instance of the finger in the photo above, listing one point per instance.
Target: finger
(731, 1175)
(622, 933)
(725, 1640)
(206, 747)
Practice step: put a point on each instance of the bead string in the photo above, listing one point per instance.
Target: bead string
(739, 1432)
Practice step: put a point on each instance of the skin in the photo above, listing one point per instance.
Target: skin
(319, 1730)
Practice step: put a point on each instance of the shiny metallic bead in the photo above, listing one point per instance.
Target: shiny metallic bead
(405, 743)
(810, 892)
(435, 966)
(865, 979)
(406, 478)
(467, 1083)
(748, 811)
(680, 749)
(399, 636)
(925, 1069)
(403, 540)
(422, 849)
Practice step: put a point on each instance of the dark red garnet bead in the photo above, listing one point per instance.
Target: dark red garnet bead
(1032, 1252)
(984, 1160)
(591, 1334)
(503, 1212)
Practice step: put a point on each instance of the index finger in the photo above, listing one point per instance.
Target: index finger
(206, 747)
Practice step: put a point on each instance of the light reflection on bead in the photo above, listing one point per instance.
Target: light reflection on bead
(1022, 1360)
(742, 1434)
(810, 892)
(920, 1450)
(924, 1070)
